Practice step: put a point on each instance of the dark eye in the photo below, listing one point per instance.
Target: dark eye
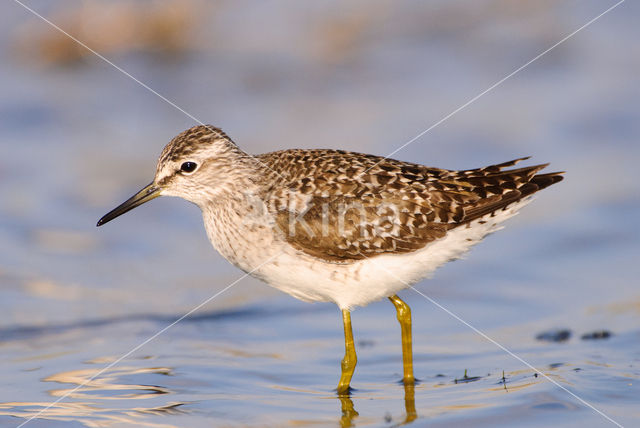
(188, 167)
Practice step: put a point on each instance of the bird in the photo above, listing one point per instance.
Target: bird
(327, 225)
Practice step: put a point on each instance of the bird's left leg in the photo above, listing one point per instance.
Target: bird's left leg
(404, 316)
(349, 361)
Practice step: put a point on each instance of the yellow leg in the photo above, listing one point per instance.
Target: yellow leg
(349, 361)
(404, 316)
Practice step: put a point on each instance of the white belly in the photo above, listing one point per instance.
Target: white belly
(368, 280)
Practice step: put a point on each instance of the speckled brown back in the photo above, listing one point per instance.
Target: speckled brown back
(344, 206)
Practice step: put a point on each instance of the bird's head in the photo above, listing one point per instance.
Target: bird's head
(197, 165)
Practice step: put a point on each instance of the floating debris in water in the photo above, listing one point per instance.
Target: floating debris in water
(504, 381)
(597, 335)
(466, 378)
(559, 335)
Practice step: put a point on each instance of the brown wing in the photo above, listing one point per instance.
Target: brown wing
(343, 206)
(345, 228)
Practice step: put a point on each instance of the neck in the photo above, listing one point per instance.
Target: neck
(236, 221)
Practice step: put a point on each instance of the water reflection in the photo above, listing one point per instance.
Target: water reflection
(349, 413)
(106, 387)
(410, 403)
(106, 400)
(112, 385)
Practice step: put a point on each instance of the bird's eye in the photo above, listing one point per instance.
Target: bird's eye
(188, 167)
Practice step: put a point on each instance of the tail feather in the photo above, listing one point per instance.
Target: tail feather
(514, 185)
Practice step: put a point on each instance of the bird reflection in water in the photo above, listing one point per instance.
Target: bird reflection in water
(349, 412)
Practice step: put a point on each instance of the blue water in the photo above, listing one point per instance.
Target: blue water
(77, 137)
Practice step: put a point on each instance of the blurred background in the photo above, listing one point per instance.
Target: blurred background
(558, 287)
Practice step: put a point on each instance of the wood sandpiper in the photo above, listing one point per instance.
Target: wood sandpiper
(337, 226)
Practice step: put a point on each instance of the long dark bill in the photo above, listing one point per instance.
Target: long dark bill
(151, 191)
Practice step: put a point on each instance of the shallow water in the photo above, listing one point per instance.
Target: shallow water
(78, 137)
